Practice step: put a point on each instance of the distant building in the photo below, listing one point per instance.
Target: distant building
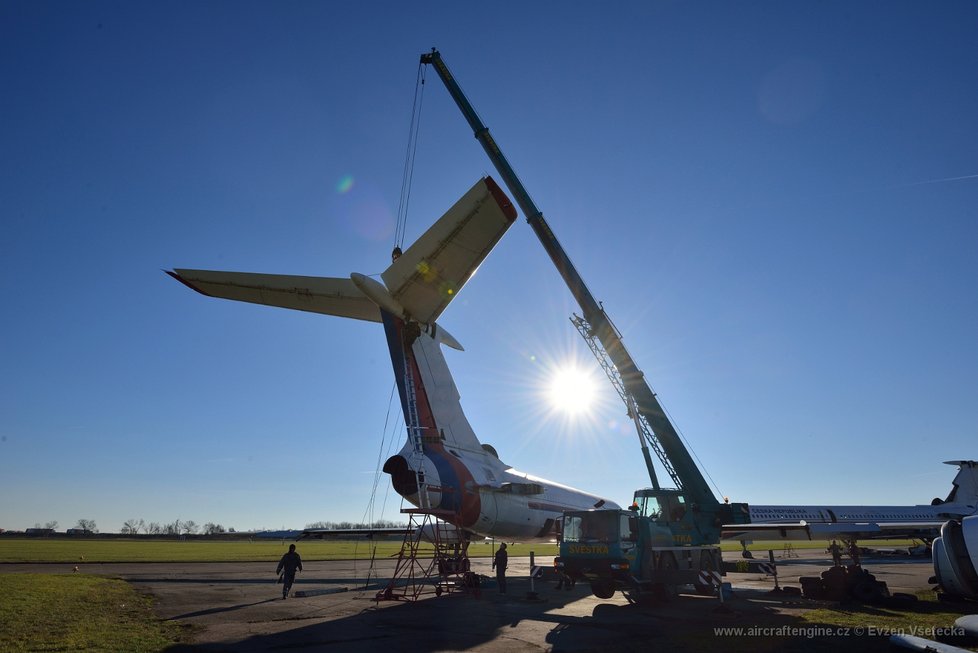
(78, 531)
(39, 532)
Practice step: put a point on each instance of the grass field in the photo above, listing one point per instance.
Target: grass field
(75, 612)
(65, 550)
(80, 551)
(928, 614)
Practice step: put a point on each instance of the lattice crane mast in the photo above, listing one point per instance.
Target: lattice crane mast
(633, 387)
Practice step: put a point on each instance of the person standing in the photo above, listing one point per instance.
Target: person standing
(499, 563)
(290, 563)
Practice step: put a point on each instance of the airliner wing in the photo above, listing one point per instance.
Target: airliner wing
(828, 531)
(314, 294)
(426, 277)
(323, 533)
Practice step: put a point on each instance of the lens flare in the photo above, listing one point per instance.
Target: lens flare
(344, 184)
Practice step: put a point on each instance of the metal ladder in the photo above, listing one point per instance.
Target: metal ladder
(415, 436)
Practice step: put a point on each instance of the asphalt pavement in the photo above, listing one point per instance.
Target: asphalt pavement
(239, 607)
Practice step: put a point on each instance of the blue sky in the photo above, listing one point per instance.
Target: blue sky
(777, 204)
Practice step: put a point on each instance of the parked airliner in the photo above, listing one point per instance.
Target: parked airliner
(862, 522)
(950, 524)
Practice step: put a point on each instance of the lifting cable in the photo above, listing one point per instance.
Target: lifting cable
(369, 516)
(690, 448)
(381, 456)
(412, 150)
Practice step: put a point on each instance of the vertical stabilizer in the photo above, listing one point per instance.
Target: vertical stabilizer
(417, 352)
(429, 471)
(965, 490)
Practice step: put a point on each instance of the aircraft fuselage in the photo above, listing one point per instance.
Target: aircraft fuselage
(860, 514)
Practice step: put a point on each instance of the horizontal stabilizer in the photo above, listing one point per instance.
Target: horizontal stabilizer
(430, 274)
(418, 285)
(329, 296)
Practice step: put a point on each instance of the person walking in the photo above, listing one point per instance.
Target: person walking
(499, 563)
(290, 563)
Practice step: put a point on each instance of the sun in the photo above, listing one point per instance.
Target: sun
(571, 391)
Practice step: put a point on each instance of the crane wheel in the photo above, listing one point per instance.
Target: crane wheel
(603, 589)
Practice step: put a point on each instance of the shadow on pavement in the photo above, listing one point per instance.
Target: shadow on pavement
(229, 608)
(563, 621)
(451, 622)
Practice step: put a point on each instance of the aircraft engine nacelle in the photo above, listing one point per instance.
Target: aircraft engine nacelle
(405, 479)
(439, 532)
(955, 555)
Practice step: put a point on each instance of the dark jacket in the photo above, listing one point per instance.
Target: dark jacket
(501, 559)
(289, 562)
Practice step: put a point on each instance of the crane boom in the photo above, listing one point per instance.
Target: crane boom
(680, 463)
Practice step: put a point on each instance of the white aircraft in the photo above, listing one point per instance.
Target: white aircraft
(442, 467)
(955, 556)
(951, 523)
(862, 522)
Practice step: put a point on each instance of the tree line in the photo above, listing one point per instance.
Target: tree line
(140, 526)
(176, 527)
(87, 525)
(346, 524)
(190, 527)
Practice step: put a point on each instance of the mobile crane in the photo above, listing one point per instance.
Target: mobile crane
(669, 535)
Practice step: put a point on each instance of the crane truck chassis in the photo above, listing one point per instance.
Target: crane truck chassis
(621, 550)
(650, 551)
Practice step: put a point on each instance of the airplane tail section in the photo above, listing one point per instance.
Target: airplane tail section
(429, 275)
(439, 435)
(429, 396)
(965, 484)
(420, 283)
(413, 293)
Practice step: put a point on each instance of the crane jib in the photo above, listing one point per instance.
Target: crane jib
(686, 475)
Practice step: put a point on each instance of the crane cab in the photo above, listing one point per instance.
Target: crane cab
(671, 509)
(665, 506)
